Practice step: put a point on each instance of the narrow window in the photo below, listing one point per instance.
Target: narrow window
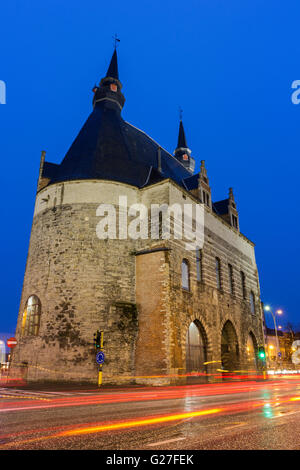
(230, 275)
(160, 225)
(218, 273)
(243, 282)
(206, 198)
(199, 264)
(185, 275)
(252, 302)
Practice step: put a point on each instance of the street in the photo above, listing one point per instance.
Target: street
(257, 415)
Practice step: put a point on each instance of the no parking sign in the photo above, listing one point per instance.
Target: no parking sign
(100, 357)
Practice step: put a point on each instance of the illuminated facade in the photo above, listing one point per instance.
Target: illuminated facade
(166, 311)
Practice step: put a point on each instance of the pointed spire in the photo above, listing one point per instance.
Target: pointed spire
(108, 93)
(182, 152)
(113, 71)
(181, 137)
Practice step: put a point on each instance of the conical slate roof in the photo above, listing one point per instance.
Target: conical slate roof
(109, 148)
(113, 67)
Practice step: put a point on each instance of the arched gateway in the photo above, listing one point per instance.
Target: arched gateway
(196, 353)
(229, 348)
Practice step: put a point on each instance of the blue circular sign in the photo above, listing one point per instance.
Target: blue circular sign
(100, 357)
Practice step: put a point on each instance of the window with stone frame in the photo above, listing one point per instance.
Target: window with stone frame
(234, 221)
(199, 264)
(31, 317)
(218, 274)
(243, 283)
(185, 275)
(206, 198)
(252, 302)
(231, 280)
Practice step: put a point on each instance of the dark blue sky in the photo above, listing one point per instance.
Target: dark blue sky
(229, 65)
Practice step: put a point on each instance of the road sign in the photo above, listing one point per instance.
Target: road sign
(11, 342)
(100, 357)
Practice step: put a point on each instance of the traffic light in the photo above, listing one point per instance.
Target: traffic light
(261, 353)
(97, 340)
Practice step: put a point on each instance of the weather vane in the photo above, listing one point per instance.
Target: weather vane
(116, 40)
(180, 113)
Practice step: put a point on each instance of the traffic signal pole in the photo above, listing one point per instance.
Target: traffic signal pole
(98, 343)
(100, 365)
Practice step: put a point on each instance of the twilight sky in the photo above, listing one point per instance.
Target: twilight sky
(229, 66)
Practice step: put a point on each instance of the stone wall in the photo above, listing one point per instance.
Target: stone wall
(133, 295)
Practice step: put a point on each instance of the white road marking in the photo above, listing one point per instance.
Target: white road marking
(166, 442)
(285, 414)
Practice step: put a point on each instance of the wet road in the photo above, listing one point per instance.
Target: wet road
(244, 415)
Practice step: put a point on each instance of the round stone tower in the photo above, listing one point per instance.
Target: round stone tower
(164, 309)
(75, 282)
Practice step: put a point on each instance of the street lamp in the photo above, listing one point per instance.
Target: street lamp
(278, 312)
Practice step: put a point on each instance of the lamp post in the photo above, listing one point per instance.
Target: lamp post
(278, 312)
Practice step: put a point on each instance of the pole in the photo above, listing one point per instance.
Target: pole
(100, 365)
(277, 342)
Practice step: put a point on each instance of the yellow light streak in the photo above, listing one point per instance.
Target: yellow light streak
(142, 422)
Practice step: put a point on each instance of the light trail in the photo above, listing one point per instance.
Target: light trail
(119, 425)
(141, 422)
(92, 428)
(165, 393)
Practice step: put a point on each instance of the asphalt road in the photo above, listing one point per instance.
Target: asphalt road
(233, 416)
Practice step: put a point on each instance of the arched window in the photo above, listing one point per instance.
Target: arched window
(31, 317)
(218, 273)
(252, 302)
(185, 275)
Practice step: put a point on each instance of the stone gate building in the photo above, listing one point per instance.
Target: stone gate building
(166, 311)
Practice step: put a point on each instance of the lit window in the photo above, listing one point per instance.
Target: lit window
(31, 317)
(185, 275)
(113, 87)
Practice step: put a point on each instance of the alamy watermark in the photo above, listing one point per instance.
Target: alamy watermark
(2, 92)
(296, 94)
(159, 221)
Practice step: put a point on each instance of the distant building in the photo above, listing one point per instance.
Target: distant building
(2, 352)
(279, 353)
(166, 311)
(274, 348)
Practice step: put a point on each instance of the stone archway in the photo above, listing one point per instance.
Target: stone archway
(196, 353)
(251, 352)
(230, 354)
